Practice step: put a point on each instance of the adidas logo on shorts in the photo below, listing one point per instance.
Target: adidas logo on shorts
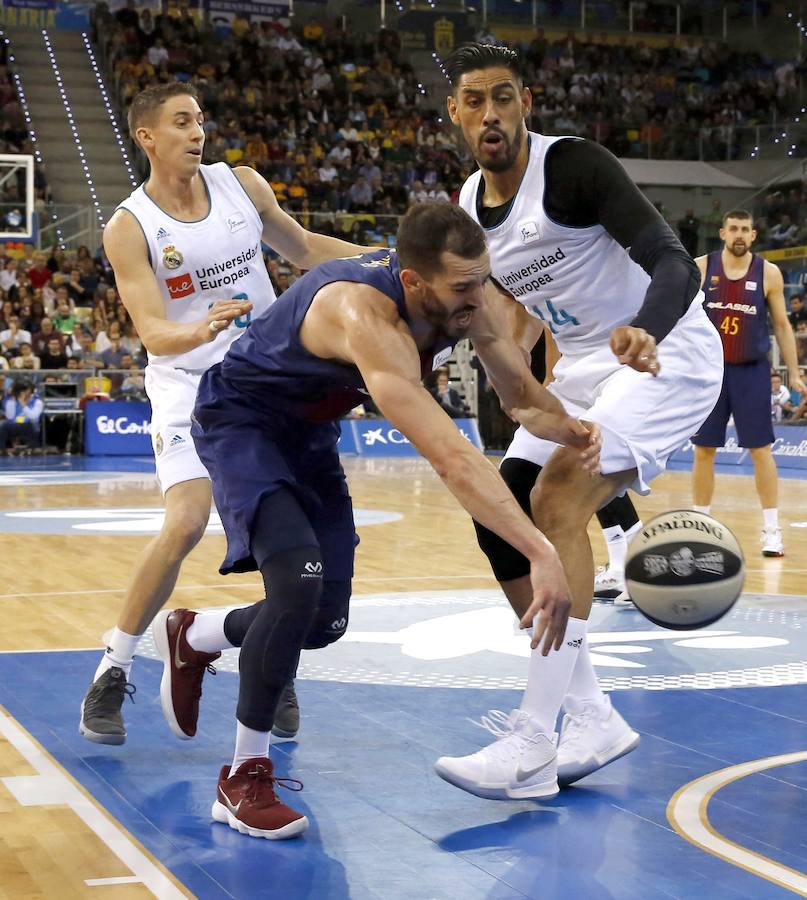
(176, 440)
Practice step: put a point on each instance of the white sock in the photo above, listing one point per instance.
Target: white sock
(633, 530)
(248, 744)
(771, 518)
(206, 633)
(583, 686)
(119, 652)
(702, 509)
(617, 545)
(548, 678)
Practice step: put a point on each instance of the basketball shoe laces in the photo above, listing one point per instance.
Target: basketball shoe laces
(105, 699)
(262, 792)
(577, 723)
(196, 672)
(510, 740)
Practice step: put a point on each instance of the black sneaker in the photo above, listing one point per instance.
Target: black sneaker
(101, 718)
(287, 715)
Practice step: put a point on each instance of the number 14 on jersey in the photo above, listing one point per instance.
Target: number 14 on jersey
(559, 317)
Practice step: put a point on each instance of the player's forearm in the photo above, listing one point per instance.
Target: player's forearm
(481, 491)
(531, 405)
(162, 337)
(320, 248)
(674, 280)
(787, 348)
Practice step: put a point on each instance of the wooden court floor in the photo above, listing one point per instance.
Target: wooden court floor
(62, 591)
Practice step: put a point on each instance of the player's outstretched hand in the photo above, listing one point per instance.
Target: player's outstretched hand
(636, 348)
(552, 601)
(219, 317)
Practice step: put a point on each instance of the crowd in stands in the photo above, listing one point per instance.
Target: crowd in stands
(347, 137)
(341, 128)
(14, 139)
(781, 218)
(338, 124)
(683, 101)
(61, 319)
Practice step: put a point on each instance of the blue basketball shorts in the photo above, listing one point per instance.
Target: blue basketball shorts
(746, 395)
(251, 452)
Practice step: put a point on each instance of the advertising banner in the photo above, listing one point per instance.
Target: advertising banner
(220, 13)
(789, 449)
(428, 30)
(378, 437)
(117, 428)
(347, 441)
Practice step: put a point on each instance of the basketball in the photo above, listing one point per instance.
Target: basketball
(684, 570)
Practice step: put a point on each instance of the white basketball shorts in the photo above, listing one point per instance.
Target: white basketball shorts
(172, 393)
(643, 419)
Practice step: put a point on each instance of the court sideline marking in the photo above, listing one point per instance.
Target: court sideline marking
(688, 814)
(53, 786)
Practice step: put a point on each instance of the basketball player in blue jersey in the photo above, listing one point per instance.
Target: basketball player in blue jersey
(575, 241)
(186, 251)
(741, 290)
(266, 427)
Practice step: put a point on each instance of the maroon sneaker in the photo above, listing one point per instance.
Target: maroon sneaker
(247, 802)
(183, 671)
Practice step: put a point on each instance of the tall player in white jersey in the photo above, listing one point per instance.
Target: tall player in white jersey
(186, 250)
(573, 239)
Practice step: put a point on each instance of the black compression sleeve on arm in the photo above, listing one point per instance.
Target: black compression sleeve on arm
(675, 279)
(586, 185)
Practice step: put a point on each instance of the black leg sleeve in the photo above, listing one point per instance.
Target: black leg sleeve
(620, 511)
(507, 563)
(277, 626)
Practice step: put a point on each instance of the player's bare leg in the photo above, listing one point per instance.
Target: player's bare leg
(187, 510)
(703, 477)
(766, 478)
(523, 763)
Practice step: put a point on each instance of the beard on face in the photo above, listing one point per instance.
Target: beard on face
(512, 149)
(738, 248)
(438, 316)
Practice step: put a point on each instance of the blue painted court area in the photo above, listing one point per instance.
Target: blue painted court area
(384, 826)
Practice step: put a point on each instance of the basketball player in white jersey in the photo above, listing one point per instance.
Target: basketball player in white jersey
(573, 239)
(186, 250)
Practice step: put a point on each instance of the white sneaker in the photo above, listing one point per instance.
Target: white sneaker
(772, 543)
(609, 585)
(521, 764)
(590, 738)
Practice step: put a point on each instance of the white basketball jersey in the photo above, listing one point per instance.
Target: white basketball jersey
(197, 263)
(579, 281)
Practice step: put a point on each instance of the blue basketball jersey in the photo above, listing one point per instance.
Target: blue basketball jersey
(271, 366)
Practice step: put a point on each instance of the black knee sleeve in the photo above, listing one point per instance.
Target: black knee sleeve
(507, 563)
(237, 622)
(330, 621)
(620, 511)
(279, 626)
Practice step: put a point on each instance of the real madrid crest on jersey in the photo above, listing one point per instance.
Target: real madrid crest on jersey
(172, 258)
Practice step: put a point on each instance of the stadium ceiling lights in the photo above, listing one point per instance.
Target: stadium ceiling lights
(113, 121)
(15, 75)
(73, 128)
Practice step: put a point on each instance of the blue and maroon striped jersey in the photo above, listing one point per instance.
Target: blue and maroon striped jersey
(738, 309)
